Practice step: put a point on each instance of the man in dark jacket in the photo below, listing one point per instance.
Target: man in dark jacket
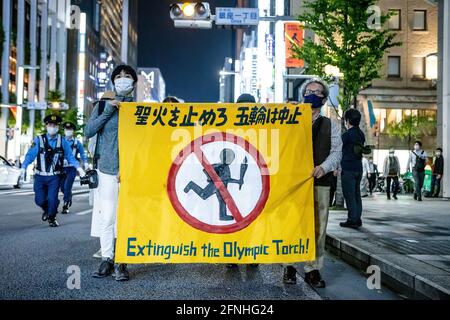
(438, 171)
(352, 168)
(327, 145)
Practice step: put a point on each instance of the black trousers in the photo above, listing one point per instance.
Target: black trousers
(372, 182)
(419, 177)
(435, 185)
(388, 186)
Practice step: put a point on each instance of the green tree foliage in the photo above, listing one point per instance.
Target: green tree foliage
(349, 39)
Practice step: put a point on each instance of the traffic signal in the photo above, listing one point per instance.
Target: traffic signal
(191, 15)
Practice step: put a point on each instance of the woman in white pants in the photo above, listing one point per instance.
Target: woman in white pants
(104, 123)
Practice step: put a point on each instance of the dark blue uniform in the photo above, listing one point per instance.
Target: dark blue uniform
(50, 153)
(70, 172)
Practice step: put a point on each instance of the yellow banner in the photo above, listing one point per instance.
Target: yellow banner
(215, 183)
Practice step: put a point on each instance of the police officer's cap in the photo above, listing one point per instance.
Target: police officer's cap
(52, 118)
(69, 125)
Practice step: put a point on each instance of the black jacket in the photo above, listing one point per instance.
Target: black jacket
(438, 166)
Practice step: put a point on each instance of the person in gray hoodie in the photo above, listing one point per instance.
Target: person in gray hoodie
(104, 123)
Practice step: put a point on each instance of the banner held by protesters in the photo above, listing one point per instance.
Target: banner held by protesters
(215, 183)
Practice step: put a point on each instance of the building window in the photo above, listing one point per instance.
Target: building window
(393, 67)
(418, 67)
(395, 19)
(420, 20)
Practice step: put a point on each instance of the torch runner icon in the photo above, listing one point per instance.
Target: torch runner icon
(223, 171)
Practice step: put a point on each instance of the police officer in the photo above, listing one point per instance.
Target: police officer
(70, 172)
(49, 150)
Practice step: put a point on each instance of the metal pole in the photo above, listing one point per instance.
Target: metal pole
(6, 19)
(32, 73)
(20, 75)
(44, 49)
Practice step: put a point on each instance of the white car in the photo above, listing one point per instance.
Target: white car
(9, 174)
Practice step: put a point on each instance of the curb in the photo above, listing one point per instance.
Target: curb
(396, 277)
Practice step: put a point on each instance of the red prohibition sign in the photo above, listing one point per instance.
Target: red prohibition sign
(194, 147)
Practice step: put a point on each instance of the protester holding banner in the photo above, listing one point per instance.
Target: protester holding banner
(94, 200)
(352, 170)
(327, 150)
(104, 124)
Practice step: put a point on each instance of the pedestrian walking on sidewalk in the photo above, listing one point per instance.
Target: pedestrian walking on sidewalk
(352, 169)
(327, 150)
(364, 180)
(438, 171)
(416, 163)
(391, 171)
(372, 175)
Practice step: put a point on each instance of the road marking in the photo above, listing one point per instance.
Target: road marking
(82, 213)
(27, 192)
(14, 192)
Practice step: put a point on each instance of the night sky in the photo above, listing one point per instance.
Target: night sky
(189, 59)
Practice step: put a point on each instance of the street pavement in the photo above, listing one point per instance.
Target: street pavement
(409, 240)
(34, 260)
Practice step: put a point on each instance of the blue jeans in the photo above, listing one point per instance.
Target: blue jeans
(67, 183)
(46, 193)
(351, 189)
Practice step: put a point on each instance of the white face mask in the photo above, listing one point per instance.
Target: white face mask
(52, 130)
(68, 133)
(123, 86)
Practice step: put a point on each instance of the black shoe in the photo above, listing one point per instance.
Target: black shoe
(314, 279)
(415, 196)
(44, 216)
(436, 196)
(389, 197)
(347, 224)
(65, 208)
(53, 223)
(419, 199)
(395, 197)
(232, 265)
(290, 275)
(121, 272)
(105, 269)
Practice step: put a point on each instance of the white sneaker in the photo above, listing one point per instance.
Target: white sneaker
(98, 254)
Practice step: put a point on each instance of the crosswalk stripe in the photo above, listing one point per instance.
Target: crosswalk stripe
(81, 213)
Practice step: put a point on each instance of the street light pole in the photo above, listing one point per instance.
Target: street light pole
(19, 102)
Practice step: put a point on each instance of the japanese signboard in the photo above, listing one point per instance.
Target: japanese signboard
(215, 183)
(293, 38)
(237, 16)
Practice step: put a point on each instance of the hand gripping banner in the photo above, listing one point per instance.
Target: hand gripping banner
(215, 183)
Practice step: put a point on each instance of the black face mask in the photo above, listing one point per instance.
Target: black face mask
(315, 100)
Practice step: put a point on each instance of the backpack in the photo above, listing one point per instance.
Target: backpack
(393, 166)
(92, 144)
(420, 163)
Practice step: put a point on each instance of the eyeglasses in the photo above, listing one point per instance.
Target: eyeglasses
(316, 92)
